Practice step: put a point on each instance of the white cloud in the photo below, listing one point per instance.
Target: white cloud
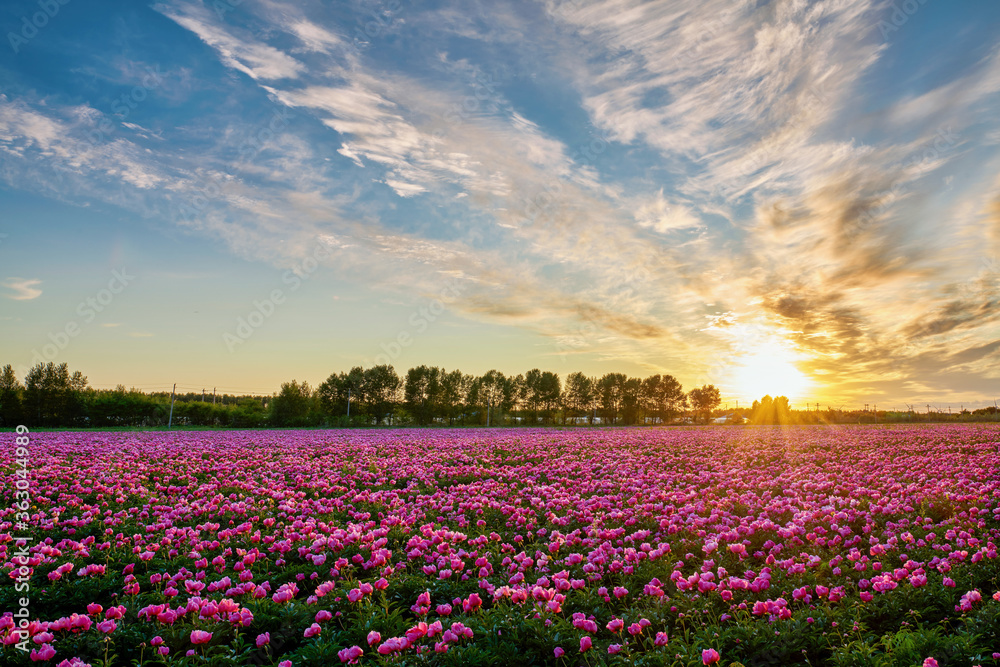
(661, 216)
(23, 289)
(256, 60)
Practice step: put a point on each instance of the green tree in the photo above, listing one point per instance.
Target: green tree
(53, 396)
(10, 397)
(380, 389)
(422, 393)
(293, 405)
(341, 391)
(610, 392)
(495, 393)
(631, 400)
(579, 396)
(452, 395)
(662, 397)
(704, 399)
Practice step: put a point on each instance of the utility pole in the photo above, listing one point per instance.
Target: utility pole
(488, 406)
(170, 420)
(203, 395)
(213, 395)
(348, 402)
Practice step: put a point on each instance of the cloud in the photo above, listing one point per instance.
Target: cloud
(660, 216)
(23, 289)
(256, 60)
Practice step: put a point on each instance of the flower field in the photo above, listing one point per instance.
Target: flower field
(758, 546)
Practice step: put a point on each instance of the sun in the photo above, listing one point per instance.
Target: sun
(770, 370)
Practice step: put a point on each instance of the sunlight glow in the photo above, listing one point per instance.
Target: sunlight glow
(770, 370)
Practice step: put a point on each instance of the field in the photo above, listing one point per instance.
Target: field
(759, 546)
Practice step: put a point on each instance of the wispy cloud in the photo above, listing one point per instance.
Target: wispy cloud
(22, 289)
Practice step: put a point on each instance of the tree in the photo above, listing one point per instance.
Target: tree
(704, 399)
(631, 391)
(53, 397)
(10, 397)
(292, 405)
(610, 391)
(771, 411)
(495, 392)
(422, 393)
(579, 396)
(452, 395)
(662, 396)
(540, 391)
(380, 389)
(338, 390)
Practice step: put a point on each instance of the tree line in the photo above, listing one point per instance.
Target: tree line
(428, 395)
(52, 396)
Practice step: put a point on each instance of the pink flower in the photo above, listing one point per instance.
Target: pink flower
(930, 662)
(200, 637)
(312, 631)
(350, 655)
(42, 653)
(472, 603)
(661, 639)
(614, 649)
(558, 652)
(323, 615)
(94, 609)
(107, 627)
(615, 625)
(585, 643)
(263, 639)
(710, 656)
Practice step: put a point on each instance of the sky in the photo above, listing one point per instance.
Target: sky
(797, 198)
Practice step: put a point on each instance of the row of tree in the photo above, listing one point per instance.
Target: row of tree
(432, 395)
(52, 396)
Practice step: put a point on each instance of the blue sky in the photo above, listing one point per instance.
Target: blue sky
(794, 197)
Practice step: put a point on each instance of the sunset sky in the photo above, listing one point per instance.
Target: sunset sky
(786, 197)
